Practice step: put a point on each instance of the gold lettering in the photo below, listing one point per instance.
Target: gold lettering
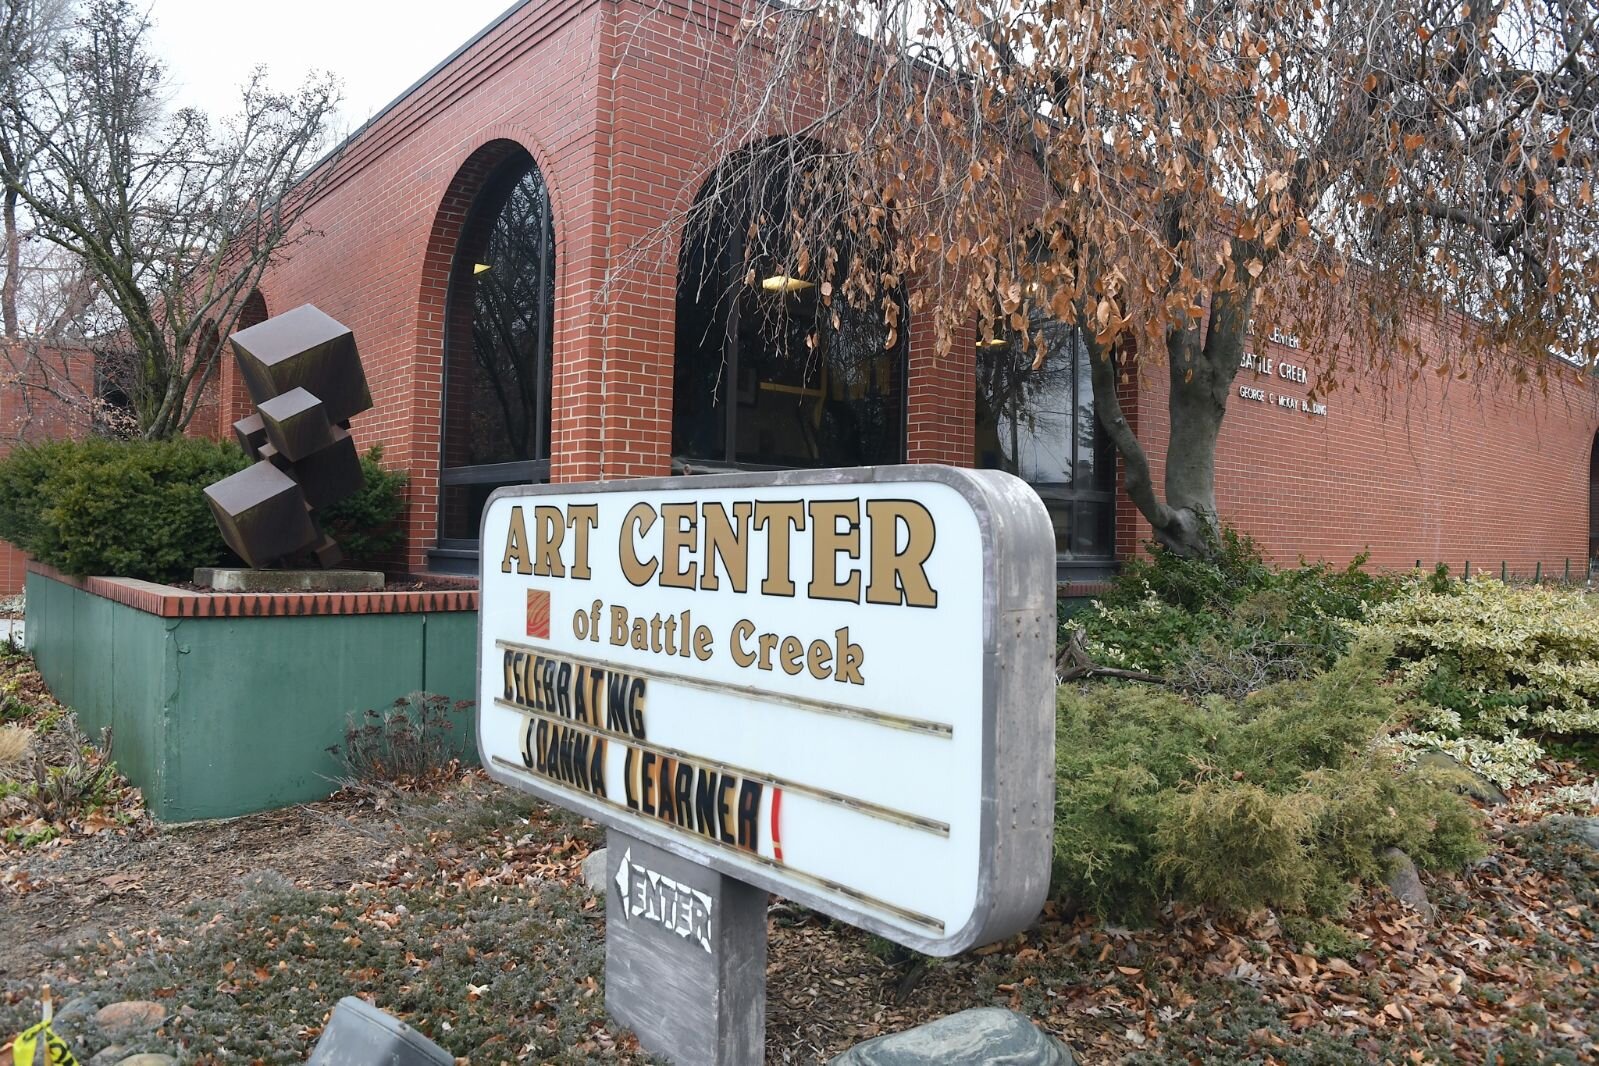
(583, 518)
(827, 544)
(900, 576)
(635, 570)
(678, 537)
(818, 659)
(743, 630)
(728, 542)
(790, 654)
(781, 520)
(516, 545)
(549, 531)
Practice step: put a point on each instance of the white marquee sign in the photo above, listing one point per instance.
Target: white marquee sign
(835, 685)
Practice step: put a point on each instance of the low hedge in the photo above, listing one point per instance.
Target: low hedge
(1286, 798)
(1495, 672)
(1230, 622)
(137, 508)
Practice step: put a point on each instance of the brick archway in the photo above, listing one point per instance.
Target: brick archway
(442, 326)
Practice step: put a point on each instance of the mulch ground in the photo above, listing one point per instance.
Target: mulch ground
(460, 907)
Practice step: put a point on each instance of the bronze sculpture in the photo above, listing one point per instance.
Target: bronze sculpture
(305, 378)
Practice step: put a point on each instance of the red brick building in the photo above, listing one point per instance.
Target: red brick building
(468, 233)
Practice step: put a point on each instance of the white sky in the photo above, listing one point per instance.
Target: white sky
(378, 48)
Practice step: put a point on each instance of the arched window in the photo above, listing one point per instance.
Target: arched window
(1039, 424)
(498, 346)
(768, 373)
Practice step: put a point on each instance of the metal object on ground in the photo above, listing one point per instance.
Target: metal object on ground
(359, 1034)
(305, 377)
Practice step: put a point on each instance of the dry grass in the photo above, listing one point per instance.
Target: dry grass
(15, 743)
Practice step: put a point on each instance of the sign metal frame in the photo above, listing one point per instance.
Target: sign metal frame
(1016, 806)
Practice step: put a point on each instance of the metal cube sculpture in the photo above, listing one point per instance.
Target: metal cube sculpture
(306, 381)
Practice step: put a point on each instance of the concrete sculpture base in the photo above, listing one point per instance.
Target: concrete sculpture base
(240, 579)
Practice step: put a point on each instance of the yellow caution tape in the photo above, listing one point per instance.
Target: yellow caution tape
(56, 1052)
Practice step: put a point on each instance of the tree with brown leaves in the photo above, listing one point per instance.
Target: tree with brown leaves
(1170, 178)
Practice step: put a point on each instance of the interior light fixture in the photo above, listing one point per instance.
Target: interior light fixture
(478, 268)
(994, 342)
(785, 283)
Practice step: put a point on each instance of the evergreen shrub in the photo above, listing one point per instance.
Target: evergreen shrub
(1496, 671)
(118, 508)
(138, 509)
(368, 525)
(1284, 798)
(1231, 622)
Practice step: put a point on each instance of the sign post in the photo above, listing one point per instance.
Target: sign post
(835, 685)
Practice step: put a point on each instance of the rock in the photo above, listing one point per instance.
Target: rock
(1585, 829)
(148, 1059)
(1468, 781)
(108, 1056)
(1405, 883)
(594, 871)
(129, 1018)
(989, 1035)
(76, 1010)
(263, 881)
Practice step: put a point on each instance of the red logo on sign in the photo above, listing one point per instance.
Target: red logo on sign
(538, 613)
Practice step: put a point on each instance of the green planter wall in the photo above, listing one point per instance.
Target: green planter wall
(224, 704)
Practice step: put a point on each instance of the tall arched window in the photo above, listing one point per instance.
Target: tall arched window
(768, 374)
(498, 346)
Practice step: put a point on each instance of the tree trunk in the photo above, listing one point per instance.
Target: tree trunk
(1201, 381)
(8, 290)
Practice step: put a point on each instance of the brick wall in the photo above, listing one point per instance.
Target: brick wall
(619, 102)
(1403, 468)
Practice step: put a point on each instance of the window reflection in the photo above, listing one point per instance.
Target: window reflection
(498, 348)
(1040, 425)
(767, 374)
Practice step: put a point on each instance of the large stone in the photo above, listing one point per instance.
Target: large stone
(148, 1058)
(118, 1021)
(1405, 883)
(303, 348)
(989, 1035)
(236, 579)
(76, 1010)
(1584, 829)
(594, 871)
(1466, 780)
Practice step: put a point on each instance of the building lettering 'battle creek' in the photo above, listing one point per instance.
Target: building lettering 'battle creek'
(468, 233)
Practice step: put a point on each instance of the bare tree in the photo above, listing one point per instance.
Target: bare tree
(28, 30)
(1170, 177)
(174, 216)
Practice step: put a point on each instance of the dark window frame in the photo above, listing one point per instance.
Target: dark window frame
(476, 233)
(1100, 495)
(718, 296)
